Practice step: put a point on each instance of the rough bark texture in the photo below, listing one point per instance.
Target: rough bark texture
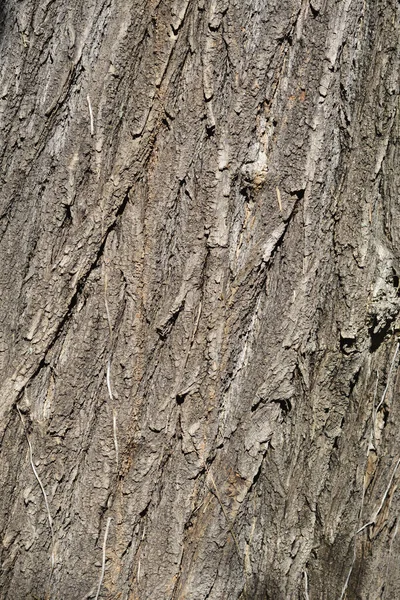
(199, 299)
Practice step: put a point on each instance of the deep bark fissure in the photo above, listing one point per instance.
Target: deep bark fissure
(199, 290)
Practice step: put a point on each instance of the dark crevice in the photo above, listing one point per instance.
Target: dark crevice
(3, 14)
(298, 194)
(336, 441)
(120, 210)
(78, 291)
(378, 336)
(285, 405)
(144, 512)
(354, 380)
(82, 281)
(166, 124)
(385, 415)
(180, 398)
(197, 476)
(256, 476)
(210, 129)
(280, 240)
(68, 214)
(396, 282)
(314, 10)
(182, 21)
(347, 344)
(219, 22)
(52, 114)
(257, 404)
(165, 329)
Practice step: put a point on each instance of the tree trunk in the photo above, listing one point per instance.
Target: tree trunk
(199, 299)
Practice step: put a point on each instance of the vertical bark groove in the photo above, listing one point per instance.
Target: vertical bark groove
(199, 299)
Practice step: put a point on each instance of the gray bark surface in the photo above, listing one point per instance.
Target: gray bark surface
(199, 307)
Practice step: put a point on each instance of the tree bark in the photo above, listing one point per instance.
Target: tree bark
(199, 299)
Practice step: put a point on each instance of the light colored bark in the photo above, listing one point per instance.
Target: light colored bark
(199, 299)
